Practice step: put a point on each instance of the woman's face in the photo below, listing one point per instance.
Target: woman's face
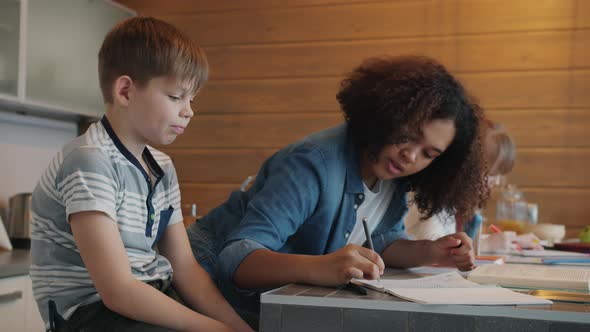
(403, 159)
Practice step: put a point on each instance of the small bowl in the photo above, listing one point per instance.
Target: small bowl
(549, 232)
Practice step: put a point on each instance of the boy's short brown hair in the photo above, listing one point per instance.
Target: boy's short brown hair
(144, 48)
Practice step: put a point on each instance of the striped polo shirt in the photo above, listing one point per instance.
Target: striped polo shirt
(95, 172)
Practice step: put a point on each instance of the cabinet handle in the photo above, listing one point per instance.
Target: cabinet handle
(11, 297)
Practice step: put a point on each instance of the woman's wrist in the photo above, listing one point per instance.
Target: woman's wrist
(307, 268)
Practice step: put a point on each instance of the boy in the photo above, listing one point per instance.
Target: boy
(107, 199)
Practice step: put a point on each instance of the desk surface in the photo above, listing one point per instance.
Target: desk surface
(286, 306)
(15, 262)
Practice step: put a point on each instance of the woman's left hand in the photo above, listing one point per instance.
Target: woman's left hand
(454, 250)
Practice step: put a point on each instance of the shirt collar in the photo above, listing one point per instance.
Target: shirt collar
(354, 181)
(147, 155)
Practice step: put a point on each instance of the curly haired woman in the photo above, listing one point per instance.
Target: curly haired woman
(409, 126)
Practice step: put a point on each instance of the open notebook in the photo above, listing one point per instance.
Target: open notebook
(449, 288)
(533, 276)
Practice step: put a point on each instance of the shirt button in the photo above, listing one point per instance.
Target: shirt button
(356, 206)
(153, 216)
(360, 196)
(346, 235)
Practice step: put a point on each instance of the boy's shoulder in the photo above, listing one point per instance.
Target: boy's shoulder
(92, 151)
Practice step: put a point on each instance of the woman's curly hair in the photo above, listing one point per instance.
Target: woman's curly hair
(387, 100)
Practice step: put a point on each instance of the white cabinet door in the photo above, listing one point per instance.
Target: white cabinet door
(9, 47)
(34, 322)
(18, 309)
(49, 55)
(63, 40)
(12, 304)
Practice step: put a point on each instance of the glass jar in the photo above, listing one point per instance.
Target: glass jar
(512, 213)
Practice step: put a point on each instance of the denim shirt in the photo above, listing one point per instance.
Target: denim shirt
(303, 201)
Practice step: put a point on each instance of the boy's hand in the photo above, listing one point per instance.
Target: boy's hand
(351, 261)
(454, 250)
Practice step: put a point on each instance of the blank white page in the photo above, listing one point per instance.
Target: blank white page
(471, 296)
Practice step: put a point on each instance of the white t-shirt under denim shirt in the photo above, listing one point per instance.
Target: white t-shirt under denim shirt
(435, 227)
(373, 208)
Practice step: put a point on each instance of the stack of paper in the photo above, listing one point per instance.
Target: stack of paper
(449, 288)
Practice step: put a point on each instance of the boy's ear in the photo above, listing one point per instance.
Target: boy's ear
(122, 89)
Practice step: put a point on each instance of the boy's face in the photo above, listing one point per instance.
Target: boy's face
(160, 110)
(398, 160)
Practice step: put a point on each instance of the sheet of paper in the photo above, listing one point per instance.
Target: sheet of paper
(444, 280)
(471, 296)
(551, 253)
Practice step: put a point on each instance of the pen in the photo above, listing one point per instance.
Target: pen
(355, 288)
(369, 240)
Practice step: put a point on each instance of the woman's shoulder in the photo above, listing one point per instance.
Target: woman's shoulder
(332, 143)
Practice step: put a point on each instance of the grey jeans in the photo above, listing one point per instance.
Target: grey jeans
(97, 317)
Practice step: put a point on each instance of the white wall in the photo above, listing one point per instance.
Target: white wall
(27, 145)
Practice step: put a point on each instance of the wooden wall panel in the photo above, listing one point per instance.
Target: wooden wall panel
(276, 68)
(557, 167)
(227, 166)
(155, 7)
(529, 128)
(551, 205)
(336, 22)
(269, 96)
(547, 89)
(205, 196)
(553, 168)
(546, 128)
(527, 51)
(364, 20)
(253, 130)
(582, 13)
(495, 90)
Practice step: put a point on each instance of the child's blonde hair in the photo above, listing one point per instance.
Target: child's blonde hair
(144, 48)
(504, 155)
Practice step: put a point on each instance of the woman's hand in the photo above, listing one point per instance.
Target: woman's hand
(453, 250)
(351, 261)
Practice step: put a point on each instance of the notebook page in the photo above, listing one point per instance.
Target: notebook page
(444, 280)
(449, 288)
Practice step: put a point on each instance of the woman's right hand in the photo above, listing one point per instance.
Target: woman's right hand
(351, 261)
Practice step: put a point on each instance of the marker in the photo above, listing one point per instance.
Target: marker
(495, 228)
(369, 240)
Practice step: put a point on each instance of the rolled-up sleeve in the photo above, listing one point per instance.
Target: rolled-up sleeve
(289, 195)
(233, 255)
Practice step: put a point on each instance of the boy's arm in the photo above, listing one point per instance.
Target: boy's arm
(193, 282)
(97, 237)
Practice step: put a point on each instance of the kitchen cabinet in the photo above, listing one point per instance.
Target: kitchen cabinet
(9, 35)
(16, 298)
(49, 55)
